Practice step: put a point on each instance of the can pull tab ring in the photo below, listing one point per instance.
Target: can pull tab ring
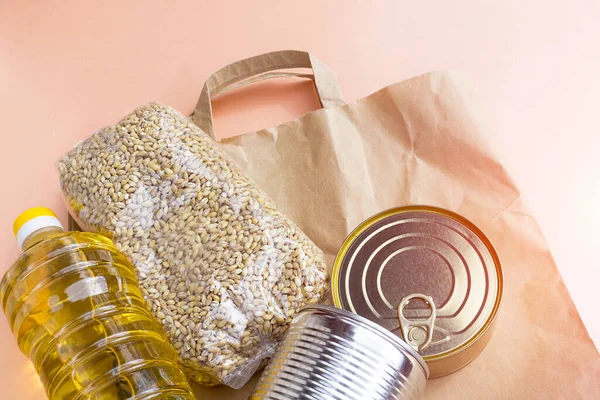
(417, 333)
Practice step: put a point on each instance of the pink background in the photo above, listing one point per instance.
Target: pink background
(68, 68)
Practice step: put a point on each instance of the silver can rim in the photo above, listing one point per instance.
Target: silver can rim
(375, 328)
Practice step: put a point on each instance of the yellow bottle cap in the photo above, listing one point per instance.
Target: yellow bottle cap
(32, 220)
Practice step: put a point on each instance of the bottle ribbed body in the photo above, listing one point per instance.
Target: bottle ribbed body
(74, 305)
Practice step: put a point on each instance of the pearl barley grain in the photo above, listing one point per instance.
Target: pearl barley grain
(219, 265)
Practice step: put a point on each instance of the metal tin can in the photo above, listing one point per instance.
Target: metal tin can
(428, 253)
(333, 354)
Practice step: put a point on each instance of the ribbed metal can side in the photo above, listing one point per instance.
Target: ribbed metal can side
(333, 354)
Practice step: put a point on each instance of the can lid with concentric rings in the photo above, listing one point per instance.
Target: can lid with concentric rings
(428, 275)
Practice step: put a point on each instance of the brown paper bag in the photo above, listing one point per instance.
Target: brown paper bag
(416, 142)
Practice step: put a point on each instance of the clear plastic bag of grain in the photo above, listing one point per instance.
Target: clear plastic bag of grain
(220, 266)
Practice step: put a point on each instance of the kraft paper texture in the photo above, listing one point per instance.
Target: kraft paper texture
(417, 142)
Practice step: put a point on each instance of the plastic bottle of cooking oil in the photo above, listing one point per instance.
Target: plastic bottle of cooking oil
(75, 308)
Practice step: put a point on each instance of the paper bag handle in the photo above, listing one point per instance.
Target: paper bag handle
(259, 68)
